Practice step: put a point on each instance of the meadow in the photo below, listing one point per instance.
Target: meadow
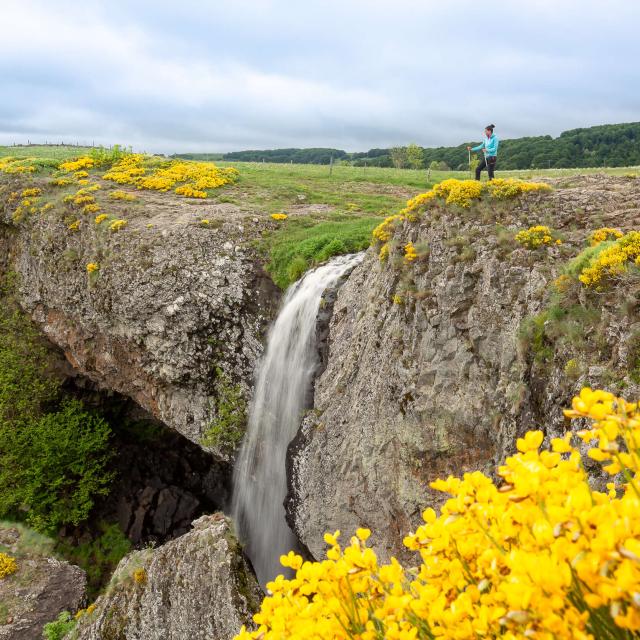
(331, 210)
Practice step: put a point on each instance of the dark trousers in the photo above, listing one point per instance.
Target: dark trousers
(488, 163)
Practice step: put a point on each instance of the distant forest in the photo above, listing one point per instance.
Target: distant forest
(611, 145)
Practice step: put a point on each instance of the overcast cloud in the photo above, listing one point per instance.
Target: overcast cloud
(353, 74)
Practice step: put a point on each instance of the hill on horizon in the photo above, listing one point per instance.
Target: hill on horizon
(611, 145)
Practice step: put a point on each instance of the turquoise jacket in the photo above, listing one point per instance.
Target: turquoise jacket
(490, 145)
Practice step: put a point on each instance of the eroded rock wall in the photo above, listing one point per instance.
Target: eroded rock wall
(438, 381)
(172, 301)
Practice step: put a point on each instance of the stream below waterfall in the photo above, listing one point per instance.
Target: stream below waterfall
(283, 382)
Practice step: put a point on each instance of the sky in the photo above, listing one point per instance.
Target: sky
(351, 74)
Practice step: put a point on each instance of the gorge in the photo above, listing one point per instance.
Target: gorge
(416, 370)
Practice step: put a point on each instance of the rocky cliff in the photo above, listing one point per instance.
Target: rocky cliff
(196, 587)
(41, 587)
(173, 303)
(436, 365)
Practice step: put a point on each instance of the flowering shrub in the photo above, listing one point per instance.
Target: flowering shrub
(122, 195)
(61, 182)
(8, 565)
(101, 218)
(204, 222)
(410, 253)
(604, 234)
(31, 193)
(190, 179)
(17, 165)
(188, 191)
(74, 226)
(279, 216)
(85, 162)
(542, 555)
(535, 237)
(92, 266)
(454, 192)
(612, 260)
(91, 208)
(116, 225)
(504, 189)
(81, 174)
(384, 252)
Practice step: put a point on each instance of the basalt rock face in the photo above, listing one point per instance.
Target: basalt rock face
(196, 587)
(173, 301)
(441, 381)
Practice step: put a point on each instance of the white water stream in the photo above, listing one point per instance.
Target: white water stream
(283, 381)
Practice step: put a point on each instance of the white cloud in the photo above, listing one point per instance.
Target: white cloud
(353, 74)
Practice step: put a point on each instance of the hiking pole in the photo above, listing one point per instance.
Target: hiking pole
(469, 150)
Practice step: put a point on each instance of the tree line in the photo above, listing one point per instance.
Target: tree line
(611, 145)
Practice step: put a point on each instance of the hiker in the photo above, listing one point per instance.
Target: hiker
(489, 147)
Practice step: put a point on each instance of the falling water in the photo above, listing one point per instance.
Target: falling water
(283, 381)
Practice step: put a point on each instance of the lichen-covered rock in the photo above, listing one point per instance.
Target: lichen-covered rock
(427, 373)
(40, 589)
(172, 302)
(198, 587)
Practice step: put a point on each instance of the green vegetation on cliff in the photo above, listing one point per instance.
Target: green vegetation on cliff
(53, 452)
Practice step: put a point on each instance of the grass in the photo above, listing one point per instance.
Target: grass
(55, 151)
(331, 211)
(303, 243)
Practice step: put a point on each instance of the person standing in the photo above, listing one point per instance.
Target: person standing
(489, 147)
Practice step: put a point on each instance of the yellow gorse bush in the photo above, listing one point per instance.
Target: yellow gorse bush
(116, 225)
(101, 218)
(85, 162)
(453, 192)
(410, 253)
(535, 237)
(8, 565)
(122, 195)
(190, 179)
(279, 216)
(613, 261)
(17, 165)
(539, 555)
(603, 235)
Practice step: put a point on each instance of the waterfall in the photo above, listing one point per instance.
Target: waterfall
(283, 382)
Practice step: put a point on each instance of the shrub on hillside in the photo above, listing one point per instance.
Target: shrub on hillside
(53, 454)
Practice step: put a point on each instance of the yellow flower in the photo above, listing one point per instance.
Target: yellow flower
(204, 222)
(279, 216)
(91, 208)
(8, 565)
(116, 225)
(92, 266)
(140, 576)
(535, 237)
(118, 194)
(74, 226)
(410, 253)
(101, 218)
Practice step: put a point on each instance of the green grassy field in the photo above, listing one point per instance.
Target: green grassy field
(58, 152)
(331, 211)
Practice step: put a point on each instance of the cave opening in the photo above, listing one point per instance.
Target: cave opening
(162, 482)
